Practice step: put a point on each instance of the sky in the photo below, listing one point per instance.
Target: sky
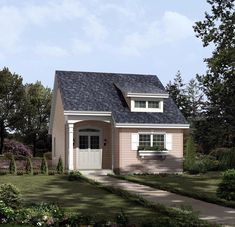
(126, 36)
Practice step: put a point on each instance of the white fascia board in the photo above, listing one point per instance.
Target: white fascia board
(147, 95)
(87, 113)
(172, 126)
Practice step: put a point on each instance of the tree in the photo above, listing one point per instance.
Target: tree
(36, 113)
(11, 96)
(190, 153)
(60, 166)
(194, 98)
(218, 83)
(177, 93)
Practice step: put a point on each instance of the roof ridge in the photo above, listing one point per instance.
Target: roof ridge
(99, 72)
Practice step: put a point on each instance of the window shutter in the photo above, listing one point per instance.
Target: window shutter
(134, 141)
(169, 141)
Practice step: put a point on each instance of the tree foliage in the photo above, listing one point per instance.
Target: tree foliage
(11, 96)
(177, 93)
(36, 113)
(218, 83)
(190, 153)
(188, 98)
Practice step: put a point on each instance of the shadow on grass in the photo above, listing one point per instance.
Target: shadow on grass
(80, 197)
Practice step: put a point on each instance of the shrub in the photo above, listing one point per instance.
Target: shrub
(190, 153)
(6, 213)
(74, 175)
(16, 148)
(122, 219)
(226, 189)
(8, 155)
(60, 167)
(44, 167)
(227, 159)
(12, 165)
(29, 166)
(48, 155)
(225, 156)
(10, 195)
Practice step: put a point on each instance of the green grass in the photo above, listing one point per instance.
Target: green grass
(202, 186)
(80, 197)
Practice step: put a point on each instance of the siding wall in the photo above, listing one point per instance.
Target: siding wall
(58, 132)
(130, 162)
(106, 133)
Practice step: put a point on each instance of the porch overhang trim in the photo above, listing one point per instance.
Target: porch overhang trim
(171, 126)
(87, 113)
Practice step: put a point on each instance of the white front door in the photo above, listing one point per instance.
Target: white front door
(89, 149)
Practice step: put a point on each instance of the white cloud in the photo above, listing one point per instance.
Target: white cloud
(172, 27)
(12, 26)
(176, 26)
(81, 47)
(55, 11)
(94, 29)
(50, 50)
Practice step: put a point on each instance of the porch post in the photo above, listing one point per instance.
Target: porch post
(70, 147)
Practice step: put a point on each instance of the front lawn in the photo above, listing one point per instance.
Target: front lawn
(84, 197)
(202, 186)
(80, 197)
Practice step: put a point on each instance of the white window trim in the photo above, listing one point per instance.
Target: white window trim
(146, 109)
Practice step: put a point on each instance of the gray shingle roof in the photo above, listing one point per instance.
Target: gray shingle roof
(140, 87)
(91, 91)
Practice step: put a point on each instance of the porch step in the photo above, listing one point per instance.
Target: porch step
(97, 172)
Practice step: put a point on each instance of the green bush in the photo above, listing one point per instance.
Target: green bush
(74, 175)
(226, 189)
(29, 166)
(12, 165)
(122, 219)
(48, 155)
(10, 195)
(190, 154)
(225, 156)
(203, 164)
(60, 167)
(44, 166)
(6, 213)
(227, 159)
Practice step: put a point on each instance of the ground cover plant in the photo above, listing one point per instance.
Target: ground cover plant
(201, 186)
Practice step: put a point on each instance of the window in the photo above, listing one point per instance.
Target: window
(159, 140)
(153, 104)
(152, 140)
(140, 104)
(144, 140)
(94, 142)
(83, 142)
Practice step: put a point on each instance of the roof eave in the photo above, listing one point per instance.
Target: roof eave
(147, 95)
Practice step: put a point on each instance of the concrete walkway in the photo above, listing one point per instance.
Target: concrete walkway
(208, 211)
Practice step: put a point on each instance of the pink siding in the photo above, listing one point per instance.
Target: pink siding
(58, 149)
(106, 133)
(130, 162)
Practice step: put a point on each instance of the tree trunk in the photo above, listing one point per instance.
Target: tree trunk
(2, 132)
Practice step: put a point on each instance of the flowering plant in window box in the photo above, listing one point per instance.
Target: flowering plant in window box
(151, 151)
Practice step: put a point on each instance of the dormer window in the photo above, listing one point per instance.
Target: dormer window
(147, 105)
(153, 104)
(143, 96)
(140, 104)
